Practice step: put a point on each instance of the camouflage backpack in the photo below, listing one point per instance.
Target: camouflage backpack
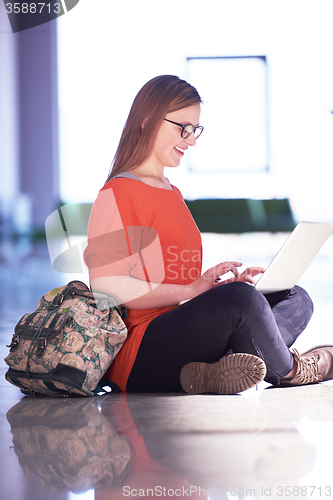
(66, 345)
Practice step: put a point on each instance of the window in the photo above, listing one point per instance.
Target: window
(234, 114)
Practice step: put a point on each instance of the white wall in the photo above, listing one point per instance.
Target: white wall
(8, 116)
(108, 50)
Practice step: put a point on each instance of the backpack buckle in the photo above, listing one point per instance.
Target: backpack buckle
(41, 345)
(56, 302)
(14, 342)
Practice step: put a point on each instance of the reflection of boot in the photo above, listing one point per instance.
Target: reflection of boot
(231, 374)
(312, 367)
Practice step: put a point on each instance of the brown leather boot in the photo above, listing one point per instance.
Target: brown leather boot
(312, 367)
(231, 374)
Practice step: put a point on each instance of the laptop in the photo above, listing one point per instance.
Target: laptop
(294, 257)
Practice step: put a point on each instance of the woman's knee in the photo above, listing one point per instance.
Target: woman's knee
(302, 301)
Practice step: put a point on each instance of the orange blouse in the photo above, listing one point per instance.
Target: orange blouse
(146, 233)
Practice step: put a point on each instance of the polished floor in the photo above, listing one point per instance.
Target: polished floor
(263, 443)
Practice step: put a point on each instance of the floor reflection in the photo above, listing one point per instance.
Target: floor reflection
(130, 446)
(79, 444)
(67, 443)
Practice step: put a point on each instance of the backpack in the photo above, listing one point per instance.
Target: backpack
(66, 345)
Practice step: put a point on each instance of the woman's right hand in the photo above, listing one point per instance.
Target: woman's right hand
(212, 276)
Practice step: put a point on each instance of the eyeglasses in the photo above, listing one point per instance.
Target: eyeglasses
(188, 129)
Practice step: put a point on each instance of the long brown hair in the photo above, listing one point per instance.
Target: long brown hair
(161, 95)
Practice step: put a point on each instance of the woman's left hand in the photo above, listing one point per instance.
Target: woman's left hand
(247, 276)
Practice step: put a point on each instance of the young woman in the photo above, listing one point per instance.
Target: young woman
(186, 330)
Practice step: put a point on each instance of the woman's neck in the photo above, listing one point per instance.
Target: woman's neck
(151, 177)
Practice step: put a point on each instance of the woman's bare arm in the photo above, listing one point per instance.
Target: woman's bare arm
(138, 294)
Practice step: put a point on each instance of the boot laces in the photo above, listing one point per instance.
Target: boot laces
(307, 368)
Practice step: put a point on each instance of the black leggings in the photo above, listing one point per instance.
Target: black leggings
(229, 318)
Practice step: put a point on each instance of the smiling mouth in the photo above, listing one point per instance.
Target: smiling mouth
(182, 151)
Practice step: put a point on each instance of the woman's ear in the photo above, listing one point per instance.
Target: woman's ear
(143, 123)
(142, 126)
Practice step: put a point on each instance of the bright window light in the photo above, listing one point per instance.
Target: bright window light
(107, 53)
(234, 113)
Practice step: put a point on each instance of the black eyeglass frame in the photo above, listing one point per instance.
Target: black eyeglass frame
(183, 127)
